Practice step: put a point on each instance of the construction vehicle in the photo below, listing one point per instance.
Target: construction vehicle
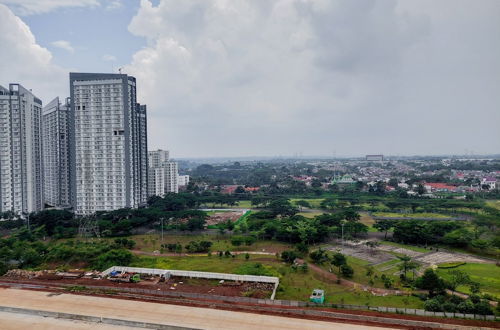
(317, 296)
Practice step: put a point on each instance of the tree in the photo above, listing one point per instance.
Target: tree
(459, 237)
(289, 256)
(457, 278)
(406, 260)
(302, 203)
(239, 190)
(420, 189)
(338, 260)
(384, 226)
(346, 271)
(282, 207)
(319, 256)
(247, 256)
(430, 281)
(480, 244)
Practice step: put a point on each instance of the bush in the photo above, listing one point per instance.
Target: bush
(237, 240)
(432, 305)
(450, 265)
(449, 307)
(319, 256)
(289, 256)
(483, 308)
(117, 257)
(346, 271)
(466, 307)
(198, 246)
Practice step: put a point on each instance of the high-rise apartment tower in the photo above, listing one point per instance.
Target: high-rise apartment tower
(108, 143)
(56, 169)
(21, 186)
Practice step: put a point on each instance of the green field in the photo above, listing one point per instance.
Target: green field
(315, 202)
(487, 275)
(310, 214)
(410, 215)
(149, 243)
(494, 203)
(294, 285)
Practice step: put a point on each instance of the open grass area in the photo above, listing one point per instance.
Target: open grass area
(410, 215)
(405, 246)
(294, 285)
(150, 243)
(310, 214)
(315, 202)
(367, 220)
(494, 203)
(487, 275)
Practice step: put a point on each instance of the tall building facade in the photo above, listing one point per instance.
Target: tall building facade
(21, 186)
(55, 138)
(108, 143)
(163, 174)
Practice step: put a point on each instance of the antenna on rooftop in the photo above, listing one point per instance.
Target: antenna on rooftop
(120, 70)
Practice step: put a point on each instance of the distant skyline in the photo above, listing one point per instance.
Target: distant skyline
(242, 78)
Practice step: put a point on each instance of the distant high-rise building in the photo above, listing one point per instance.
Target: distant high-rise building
(108, 142)
(55, 137)
(21, 186)
(163, 173)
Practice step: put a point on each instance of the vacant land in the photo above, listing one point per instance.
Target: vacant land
(487, 275)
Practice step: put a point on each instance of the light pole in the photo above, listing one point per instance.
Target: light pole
(342, 224)
(161, 219)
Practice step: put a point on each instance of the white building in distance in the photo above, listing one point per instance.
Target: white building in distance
(163, 174)
(21, 171)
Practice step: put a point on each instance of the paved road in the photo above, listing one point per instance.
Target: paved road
(202, 318)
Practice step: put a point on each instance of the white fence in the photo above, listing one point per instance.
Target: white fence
(193, 274)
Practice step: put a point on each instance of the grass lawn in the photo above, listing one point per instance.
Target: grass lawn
(315, 202)
(150, 243)
(411, 215)
(294, 285)
(494, 203)
(404, 246)
(367, 220)
(310, 214)
(488, 275)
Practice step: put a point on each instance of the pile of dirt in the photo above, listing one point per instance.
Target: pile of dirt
(221, 217)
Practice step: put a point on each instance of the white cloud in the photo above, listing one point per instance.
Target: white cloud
(30, 7)
(113, 4)
(109, 58)
(254, 77)
(63, 44)
(23, 61)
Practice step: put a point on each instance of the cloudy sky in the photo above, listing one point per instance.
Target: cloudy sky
(283, 77)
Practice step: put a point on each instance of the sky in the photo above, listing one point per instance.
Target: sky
(277, 78)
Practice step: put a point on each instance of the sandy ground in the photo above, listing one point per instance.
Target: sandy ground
(13, 321)
(201, 318)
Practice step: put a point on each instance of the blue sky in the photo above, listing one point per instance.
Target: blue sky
(96, 34)
(282, 77)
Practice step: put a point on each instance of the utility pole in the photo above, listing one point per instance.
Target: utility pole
(161, 230)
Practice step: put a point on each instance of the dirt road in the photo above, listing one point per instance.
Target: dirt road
(201, 318)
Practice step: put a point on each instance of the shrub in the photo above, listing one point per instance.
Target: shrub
(432, 305)
(483, 308)
(466, 307)
(346, 271)
(289, 256)
(449, 265)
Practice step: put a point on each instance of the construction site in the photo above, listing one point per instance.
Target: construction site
(194, 292)
(154, 279)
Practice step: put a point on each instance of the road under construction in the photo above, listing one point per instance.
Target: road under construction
(161, 312)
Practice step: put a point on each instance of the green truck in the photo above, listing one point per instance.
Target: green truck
(317, 296)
